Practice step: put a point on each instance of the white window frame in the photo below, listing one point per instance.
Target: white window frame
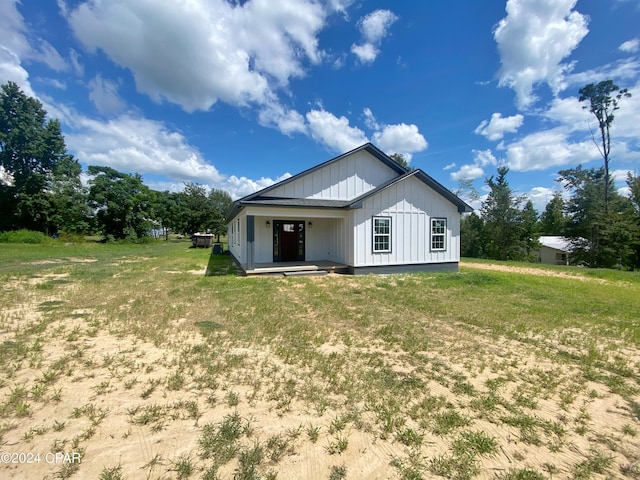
(376, 234)
(438, 234)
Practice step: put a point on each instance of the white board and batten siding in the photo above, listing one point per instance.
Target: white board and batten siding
(236, 235)
(343, 180)
(411, 212)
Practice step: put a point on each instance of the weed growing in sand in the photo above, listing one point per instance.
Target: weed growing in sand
(113, 473)
(152, 385)
(176, 381)
(458, 466)
(313, 432)
(597, 462)
(184, 467)
(249, 462)
(156, 461)
(277, 447)
(410, 437)
(337, 445)
(447, 421)
(233, 399)
(521, 474)
(220, 441)
(475, 443)
(338, 472)
(69, 469)
(58, 426)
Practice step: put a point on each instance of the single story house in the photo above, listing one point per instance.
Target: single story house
(361, 211)
(554, 250)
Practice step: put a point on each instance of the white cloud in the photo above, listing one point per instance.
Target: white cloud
(573, 137)
(12, 70)
(334, 132)
(48, 55)
(626, 69)
(569, 113)
(211, 49)
(241, 186)
(286, 121)
(370, 120)
(401, 138)
(625, 124)
(13, 44)
(467, 172)
(78, 68)
(548, 149)
(366, 53)
(482, 158)
(630, 46)
(540, 196)
(533, 40)
(373, 28)
(495, 128)
(338, 134)
(132, 144)
(12, 29)
(104, 95)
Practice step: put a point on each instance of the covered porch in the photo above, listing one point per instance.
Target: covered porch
(268, 239)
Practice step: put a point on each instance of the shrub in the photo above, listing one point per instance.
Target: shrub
(22, 236)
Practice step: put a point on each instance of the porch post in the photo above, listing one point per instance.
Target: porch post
(251, 234)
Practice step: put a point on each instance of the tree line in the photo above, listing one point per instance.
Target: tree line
(601, 225)
(41, 187)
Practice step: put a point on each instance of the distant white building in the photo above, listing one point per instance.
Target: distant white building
(554, 250)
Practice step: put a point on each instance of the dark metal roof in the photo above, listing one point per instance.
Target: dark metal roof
(298, 202)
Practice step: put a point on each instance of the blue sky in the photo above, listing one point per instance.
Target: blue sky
(239, 94)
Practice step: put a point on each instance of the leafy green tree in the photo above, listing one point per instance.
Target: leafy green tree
(529, 230)
(502, 220)
(553, 220)
(167, 211)
(603, 101)
(221, 204)
(600, 238)
(123, 204)
(30, 148)
(196, 209)
(471, 235)
(70, 211)
(399, 159)
(633, 182)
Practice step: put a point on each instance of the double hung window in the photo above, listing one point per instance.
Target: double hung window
(381, 234)
(438, 234)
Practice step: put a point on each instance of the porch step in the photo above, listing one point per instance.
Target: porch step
(305, 272)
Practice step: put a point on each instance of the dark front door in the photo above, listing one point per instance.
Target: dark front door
(288, 240)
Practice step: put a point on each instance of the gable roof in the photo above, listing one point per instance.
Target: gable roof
(261, 198)
(424, 178)
(368, 147)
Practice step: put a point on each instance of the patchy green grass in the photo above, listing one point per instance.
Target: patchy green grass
(528, 374)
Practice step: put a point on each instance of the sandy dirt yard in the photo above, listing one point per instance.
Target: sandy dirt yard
(83, 398)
